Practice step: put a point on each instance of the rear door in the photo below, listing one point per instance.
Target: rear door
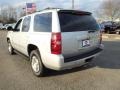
(80, 32)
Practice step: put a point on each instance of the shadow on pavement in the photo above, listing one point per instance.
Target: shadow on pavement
(110, 57)
(67, 71)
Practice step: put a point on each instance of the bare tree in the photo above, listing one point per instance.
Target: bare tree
(22, 12)
(12, 14)
(3, 15)
(8, 14)
(109, 9)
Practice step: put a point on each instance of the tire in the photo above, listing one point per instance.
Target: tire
(36, 64)
(10, 48)
(119, 32)
(108, 32)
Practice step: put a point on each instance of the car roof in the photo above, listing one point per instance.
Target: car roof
(60, 10)
(75, 11)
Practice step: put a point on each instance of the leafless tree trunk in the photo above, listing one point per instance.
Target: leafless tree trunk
(109, 9)
(8, 14)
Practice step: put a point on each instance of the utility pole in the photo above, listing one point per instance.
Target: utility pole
(72, 4)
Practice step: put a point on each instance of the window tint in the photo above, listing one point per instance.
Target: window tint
(17, 27)
(43, 22)
(74, 22)
(26, 24)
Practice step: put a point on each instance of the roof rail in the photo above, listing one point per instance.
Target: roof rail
(48, 8)
(51, 8)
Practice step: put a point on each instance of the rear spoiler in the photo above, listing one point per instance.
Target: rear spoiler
(75, 12)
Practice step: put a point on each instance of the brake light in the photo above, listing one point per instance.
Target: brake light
(56, 43)
(100, 37)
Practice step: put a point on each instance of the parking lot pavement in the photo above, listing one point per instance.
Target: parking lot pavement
(101, 74)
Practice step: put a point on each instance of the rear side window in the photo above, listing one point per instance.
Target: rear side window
(70, 22)
(43, 22)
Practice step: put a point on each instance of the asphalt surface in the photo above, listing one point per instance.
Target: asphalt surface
(103, 73)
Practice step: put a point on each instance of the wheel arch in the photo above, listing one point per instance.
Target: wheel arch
(31, 47)
(8, 39)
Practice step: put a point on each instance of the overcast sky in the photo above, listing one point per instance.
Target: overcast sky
(89, 5)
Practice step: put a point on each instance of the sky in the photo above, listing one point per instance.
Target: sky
(88, 5)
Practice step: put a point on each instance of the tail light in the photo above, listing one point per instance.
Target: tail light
(100, 37)
(56, 43)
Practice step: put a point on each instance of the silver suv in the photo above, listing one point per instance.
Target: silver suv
(56, 39)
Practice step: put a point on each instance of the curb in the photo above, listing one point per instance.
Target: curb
(111, 36)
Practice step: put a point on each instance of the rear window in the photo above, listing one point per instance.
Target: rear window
(70, 22)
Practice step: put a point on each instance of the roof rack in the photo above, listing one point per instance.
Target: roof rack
(48, 8)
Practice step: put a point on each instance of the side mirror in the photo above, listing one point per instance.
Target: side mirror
(10, 28)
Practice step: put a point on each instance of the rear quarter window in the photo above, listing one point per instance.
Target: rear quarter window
(43, 22)
(73, 22)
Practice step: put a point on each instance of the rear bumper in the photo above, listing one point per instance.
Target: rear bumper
(81, 56)
(61, 63)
